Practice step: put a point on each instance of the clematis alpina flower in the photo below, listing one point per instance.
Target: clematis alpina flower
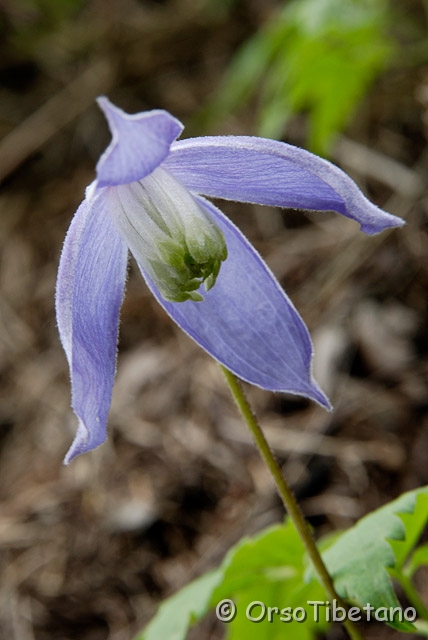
(148, 197)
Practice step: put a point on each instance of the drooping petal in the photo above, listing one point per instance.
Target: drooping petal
(246, 321)
(89, 293)
(262, 171)
(140, 142)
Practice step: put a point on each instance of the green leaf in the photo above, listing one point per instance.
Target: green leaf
(359, 560)
(418, 559)
(177, 614)
(268, 568)
(414, 523)
(276, 552)
(271, 568)
(280, 601)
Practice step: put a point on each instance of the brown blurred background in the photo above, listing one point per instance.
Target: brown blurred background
(87, 551)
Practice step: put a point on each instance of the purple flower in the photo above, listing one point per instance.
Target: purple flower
(147, 197)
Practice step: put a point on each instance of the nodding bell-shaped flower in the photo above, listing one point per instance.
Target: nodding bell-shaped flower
(148, 198)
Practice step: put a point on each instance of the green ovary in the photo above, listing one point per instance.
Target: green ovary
(183, 268)
(171, 235)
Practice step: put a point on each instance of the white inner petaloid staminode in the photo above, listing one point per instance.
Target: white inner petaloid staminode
(171, 236)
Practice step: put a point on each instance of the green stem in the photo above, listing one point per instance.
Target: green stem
(412, 595)
(421, 627)
(287, 496)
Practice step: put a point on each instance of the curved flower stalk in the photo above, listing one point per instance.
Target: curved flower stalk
(148, 197)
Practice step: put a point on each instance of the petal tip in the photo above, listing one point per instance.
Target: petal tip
(140, 143)
(381, 222)
(82, 443)
(312, 391)
(320, 397)
(104, 103)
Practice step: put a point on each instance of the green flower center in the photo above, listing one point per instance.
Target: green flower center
(171, 235)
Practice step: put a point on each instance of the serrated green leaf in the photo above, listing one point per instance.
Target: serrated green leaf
(359, 560)
(414, 523)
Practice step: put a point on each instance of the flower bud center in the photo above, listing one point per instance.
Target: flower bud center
(171, 235)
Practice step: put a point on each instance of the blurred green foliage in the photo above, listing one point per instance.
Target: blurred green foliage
(57, 8)
(30, 21)
(315, 56)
